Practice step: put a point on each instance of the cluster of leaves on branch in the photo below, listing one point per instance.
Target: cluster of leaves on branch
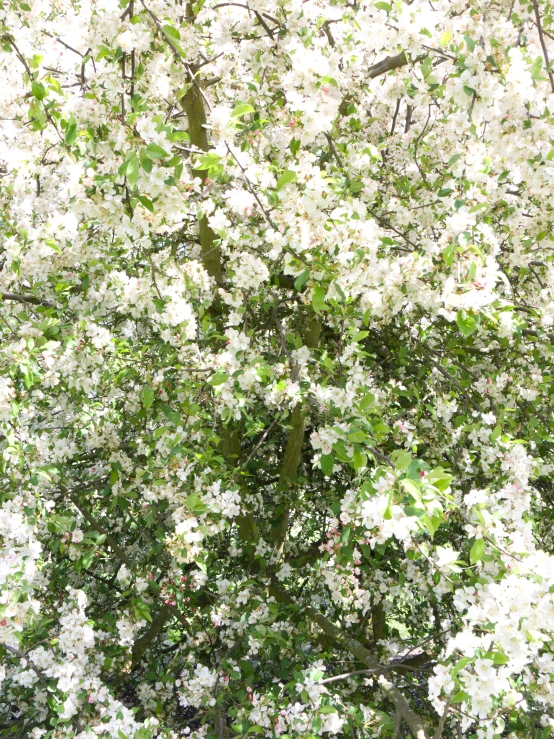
(276, 437)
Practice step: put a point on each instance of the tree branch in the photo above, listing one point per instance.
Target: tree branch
(295, 440)
(22, 655)
(364, 656)
(543, 43)
(388, 64)
(142, 644)
(101, 530)
(26, 299)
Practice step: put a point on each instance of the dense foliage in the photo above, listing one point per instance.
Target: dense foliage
(276, 397)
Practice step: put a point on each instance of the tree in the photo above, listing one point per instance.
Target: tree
(276, 389)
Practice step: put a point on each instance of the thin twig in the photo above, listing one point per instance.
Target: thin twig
(543, 43)
(23, 655)
(334, 150)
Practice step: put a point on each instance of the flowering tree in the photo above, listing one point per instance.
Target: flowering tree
(277, 289)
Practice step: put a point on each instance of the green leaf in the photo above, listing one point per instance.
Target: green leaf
(178, 136)
(470, 43)
(171, 32)
(432, 524)
(47, 471)
(145, 163)
(498, 658)
(242, 109)
(318, 299)
(171, 415)
(467, 322)
(148, 204)
(453, 159)
(536, 69)
(477, 551)
(411, 488)
(460, 697)
(448, 254)
(132, 170)
(496, 432)
(218, 378)
(38, 90)
(327, 462)
(460, 664)
(294, 146)
(550, 155)
(195, 504)
(208, 161)
(301, 280)
(287, 177)
(402, 460)
(70, 133)
(366, 400)
(445, 193)
(359, 459)
(147, 397)
(387, 7)
(439, 478)
(154, 151)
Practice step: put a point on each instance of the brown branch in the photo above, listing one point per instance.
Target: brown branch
(20, 56)
(543, 43)
(142, 644)
(334, 150)
(295, 441)
(442, 721)
(246, 525)
(264, 25)
(388, 64)
(23, 655)
(397, 726)
(101, 530)
(364, 656)
(26, 299)
(63, 43)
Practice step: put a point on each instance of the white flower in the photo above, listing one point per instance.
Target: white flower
(241, 202)
(332, 723)
(284, 572)
(446, 557)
